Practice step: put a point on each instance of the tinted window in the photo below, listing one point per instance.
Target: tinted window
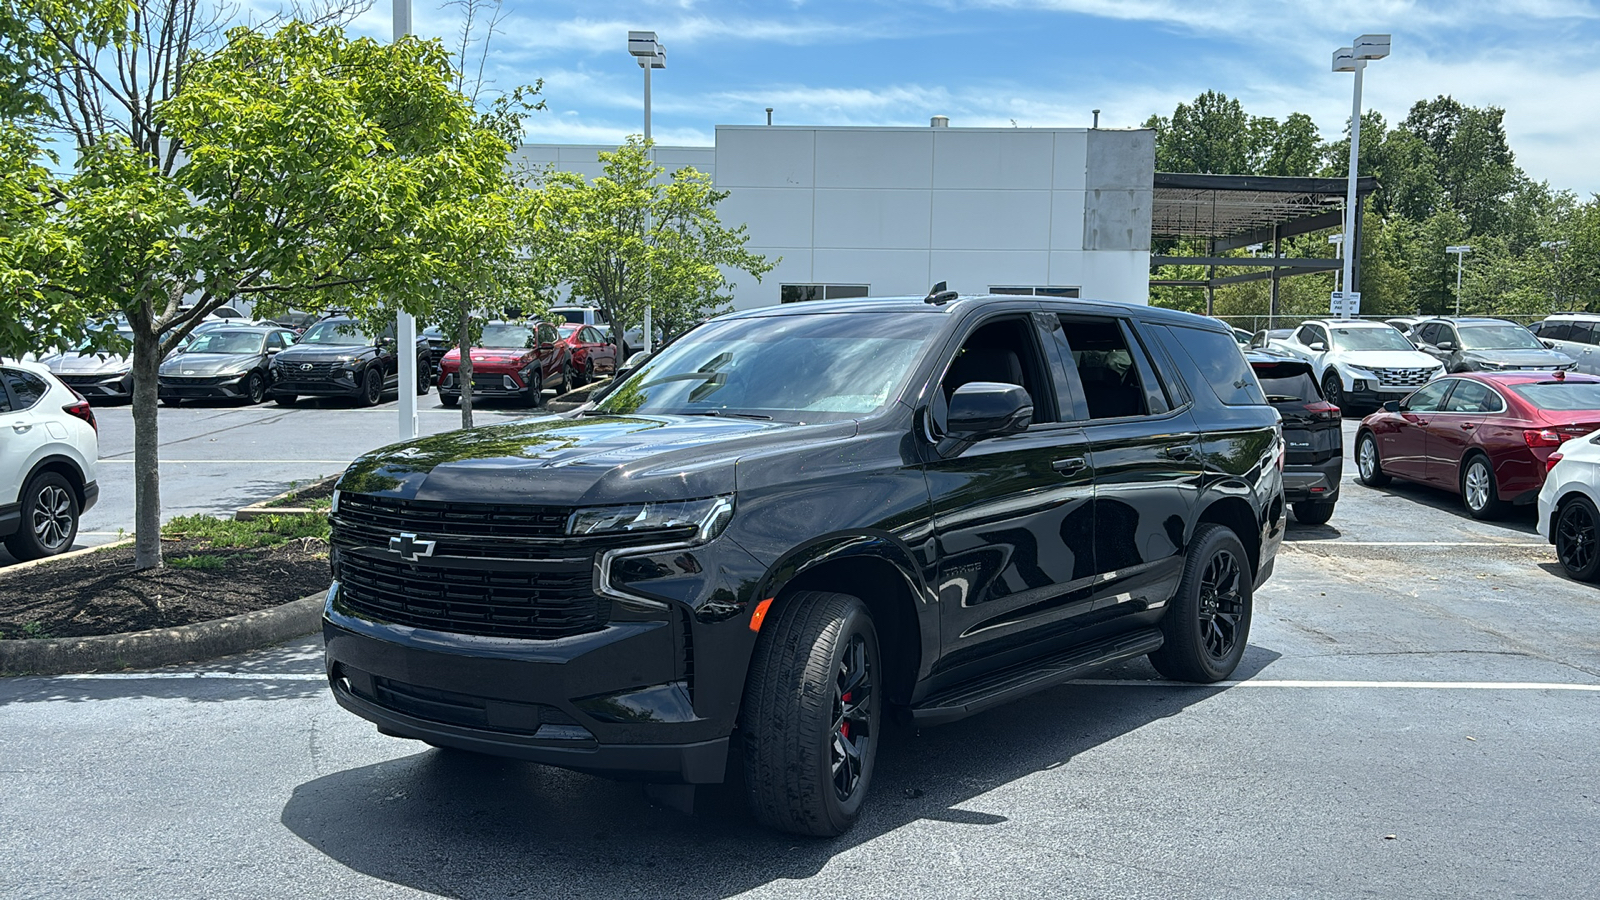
(1112, 386)
(1286, 382)
(5, 398)
(1582, 332)
(1427, 397)
(1219, 358)
(1555, 331)
(1472, 397)
(1002, 351)
(335, 332)
(1560, 395)
(1431, 333)
(1306, 335)
(26, 388)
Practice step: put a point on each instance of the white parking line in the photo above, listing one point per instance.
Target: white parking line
(1337, 543)
(193, 676)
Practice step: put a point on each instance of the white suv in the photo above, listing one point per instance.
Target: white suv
(48, 447)
(1360, 363)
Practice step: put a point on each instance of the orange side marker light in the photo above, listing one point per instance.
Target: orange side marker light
(760, 614)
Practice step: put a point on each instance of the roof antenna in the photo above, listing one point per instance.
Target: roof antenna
(939, 296)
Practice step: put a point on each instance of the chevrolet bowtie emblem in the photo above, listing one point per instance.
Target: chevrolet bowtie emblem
(410, 547)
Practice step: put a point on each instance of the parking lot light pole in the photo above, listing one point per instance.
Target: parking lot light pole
(1354, 59)
(651, 54)
(405, 323)
(1459, 250)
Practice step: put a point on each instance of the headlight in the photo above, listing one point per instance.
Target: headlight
(708, 517)
(1361, 373)
(1489, 366)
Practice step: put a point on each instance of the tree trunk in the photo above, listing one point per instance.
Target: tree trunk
(146, 453)
(464, 341)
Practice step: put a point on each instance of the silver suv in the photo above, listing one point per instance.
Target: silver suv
(1574, 334)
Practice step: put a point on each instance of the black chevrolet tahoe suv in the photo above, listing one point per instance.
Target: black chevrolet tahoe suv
(795, 521)
(336, 357)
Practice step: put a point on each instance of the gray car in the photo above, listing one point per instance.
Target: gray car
(1472, 344)
(228, 363)
(97, 375)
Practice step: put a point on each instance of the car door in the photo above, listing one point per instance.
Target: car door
(550, 357)
(1427, 336)
(22, 430)
(1144, 447)
(1451, 430)
(1013, 515)
(1403, 439)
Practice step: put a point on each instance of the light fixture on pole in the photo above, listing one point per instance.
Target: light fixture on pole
(1337, 240)
(406, 324)
(651, 54)
(1460, 250)
(1354, 59)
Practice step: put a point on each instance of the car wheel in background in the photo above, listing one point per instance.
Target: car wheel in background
(449, 399)
(1576, 532)
(285, 399)
(255, 388)
(171, 401)
(1333, 388)
(1478, 489)
(1208, 624)
(49, 518)
(1369, 468)
(424, 377)
(1313, 512)
(569, 380)
(371, 387)
(812, 714)
(588, 371)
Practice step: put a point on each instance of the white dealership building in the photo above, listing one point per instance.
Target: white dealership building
(887, 211)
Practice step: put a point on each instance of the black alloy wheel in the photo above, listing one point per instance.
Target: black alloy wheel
(811, 716)
(49, 518)
(424, 377)
(1333, 388)
(569, 380)
(1208, 625)
(1478, 489)
(1576, 532)
(255, 388)
(588, 370)
(371, 387)
(1369, 468)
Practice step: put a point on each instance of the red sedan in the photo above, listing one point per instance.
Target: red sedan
(592, 354)
(512, 359)
(1486, 436)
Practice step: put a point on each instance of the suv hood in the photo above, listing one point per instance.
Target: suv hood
(578, 461)
(1387, 359)
(1528, 357)
(314, 353)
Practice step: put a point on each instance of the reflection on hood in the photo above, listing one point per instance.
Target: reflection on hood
(92, 364)
(208, 363)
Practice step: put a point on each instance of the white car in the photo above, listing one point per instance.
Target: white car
(1360, 363)
(48, 447)
(1569, 506)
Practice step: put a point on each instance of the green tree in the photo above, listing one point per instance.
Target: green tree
(630, 238)
(1211, 135)
(1290, 147)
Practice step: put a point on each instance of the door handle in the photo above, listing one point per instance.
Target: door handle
(1180, 451)
(22, 428)
(1068, 466)
(1467, 426)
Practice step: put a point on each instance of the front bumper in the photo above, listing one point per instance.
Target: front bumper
(486, 384)
(101, 387)
(228, 387)
(344, 386)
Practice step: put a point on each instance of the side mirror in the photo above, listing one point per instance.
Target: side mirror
(384, 343)
(985, 409)
(1391, 406)
(1446, 346)
(1318, 346)
(272, 351)
(1549, 345)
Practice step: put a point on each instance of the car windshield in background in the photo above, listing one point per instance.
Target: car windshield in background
(571, 316)
(1498, 337)
(1286, 382)
(1561, 395)
(568, 330)
(1370, 339)
(505, 336)
(805, 368)
(339, 334)
(226, 342)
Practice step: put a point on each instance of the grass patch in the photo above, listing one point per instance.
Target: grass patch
(198, 561)
(316, 495)
(262, 532)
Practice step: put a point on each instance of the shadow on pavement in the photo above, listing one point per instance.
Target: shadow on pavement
(1515, 518)
(480, 827)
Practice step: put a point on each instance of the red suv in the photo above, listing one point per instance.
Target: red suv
(512, 359)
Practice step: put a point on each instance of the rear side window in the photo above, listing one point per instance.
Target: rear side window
(1115, 381)
(26, 388)
(1287, 382)
(1219, 358)
(1472, 397)
(1582, 332)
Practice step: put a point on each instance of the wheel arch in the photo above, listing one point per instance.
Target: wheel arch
(66, 467)
(1236, 514)
(1570, 493)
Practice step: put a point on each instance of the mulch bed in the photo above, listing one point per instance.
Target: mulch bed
(99, 593)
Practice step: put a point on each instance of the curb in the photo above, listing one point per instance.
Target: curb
(163, 646)
(24, 566)
(263, 508)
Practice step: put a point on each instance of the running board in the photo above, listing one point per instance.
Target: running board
(1035, 675)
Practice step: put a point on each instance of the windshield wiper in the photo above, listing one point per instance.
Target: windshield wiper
(717, 413)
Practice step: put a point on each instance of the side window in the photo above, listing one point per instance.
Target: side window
(275, 341)
(1305, 335)
(1427, 334)
(1428, 397)
(1582, 332)
(1555, 331)
(1112, 377)
(25, 387)
(5, 398)
(1218, 357)
(1535, 328)
(1448, 333)
(1318, 333)
(1003, 351)
(1471, 397)
(1156, 346)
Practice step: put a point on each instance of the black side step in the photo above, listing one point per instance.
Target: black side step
(1020, 680)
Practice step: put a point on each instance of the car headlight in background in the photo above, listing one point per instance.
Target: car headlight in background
(1487, 366)
(708, 517)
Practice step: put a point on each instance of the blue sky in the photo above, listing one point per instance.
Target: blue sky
(1041, 63)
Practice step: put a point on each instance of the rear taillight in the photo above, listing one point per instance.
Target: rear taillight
(82, 410)
(1550, 461)
(1322, 409)
(1542, 437)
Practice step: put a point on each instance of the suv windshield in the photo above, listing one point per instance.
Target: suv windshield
(1369, 339)
(340, 333)
(1498, 337)
(794, 367)
(506, 336)
(226, 342)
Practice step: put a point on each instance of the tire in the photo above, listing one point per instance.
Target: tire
(1208, 624)
(1478, 491)
(588, 371)
(1333, 388)
(1313, 512)
(1369, 467)
(171, 401)
(255, 389)
(449, 399)
(797, 726)
(1576, 530)
(569, 379)
(371, 387)
(424, 377)
(49, 518)
(285, 399)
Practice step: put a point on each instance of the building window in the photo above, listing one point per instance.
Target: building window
(1033, 291)
(799, 293)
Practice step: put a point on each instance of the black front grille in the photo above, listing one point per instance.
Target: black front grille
(193, 380)
(388, 516)
(540, 604)
(317, 371)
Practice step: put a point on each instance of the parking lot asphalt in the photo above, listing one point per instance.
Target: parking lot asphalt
(1415, 718)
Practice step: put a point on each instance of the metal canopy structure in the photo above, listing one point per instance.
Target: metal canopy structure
(1234, 211)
